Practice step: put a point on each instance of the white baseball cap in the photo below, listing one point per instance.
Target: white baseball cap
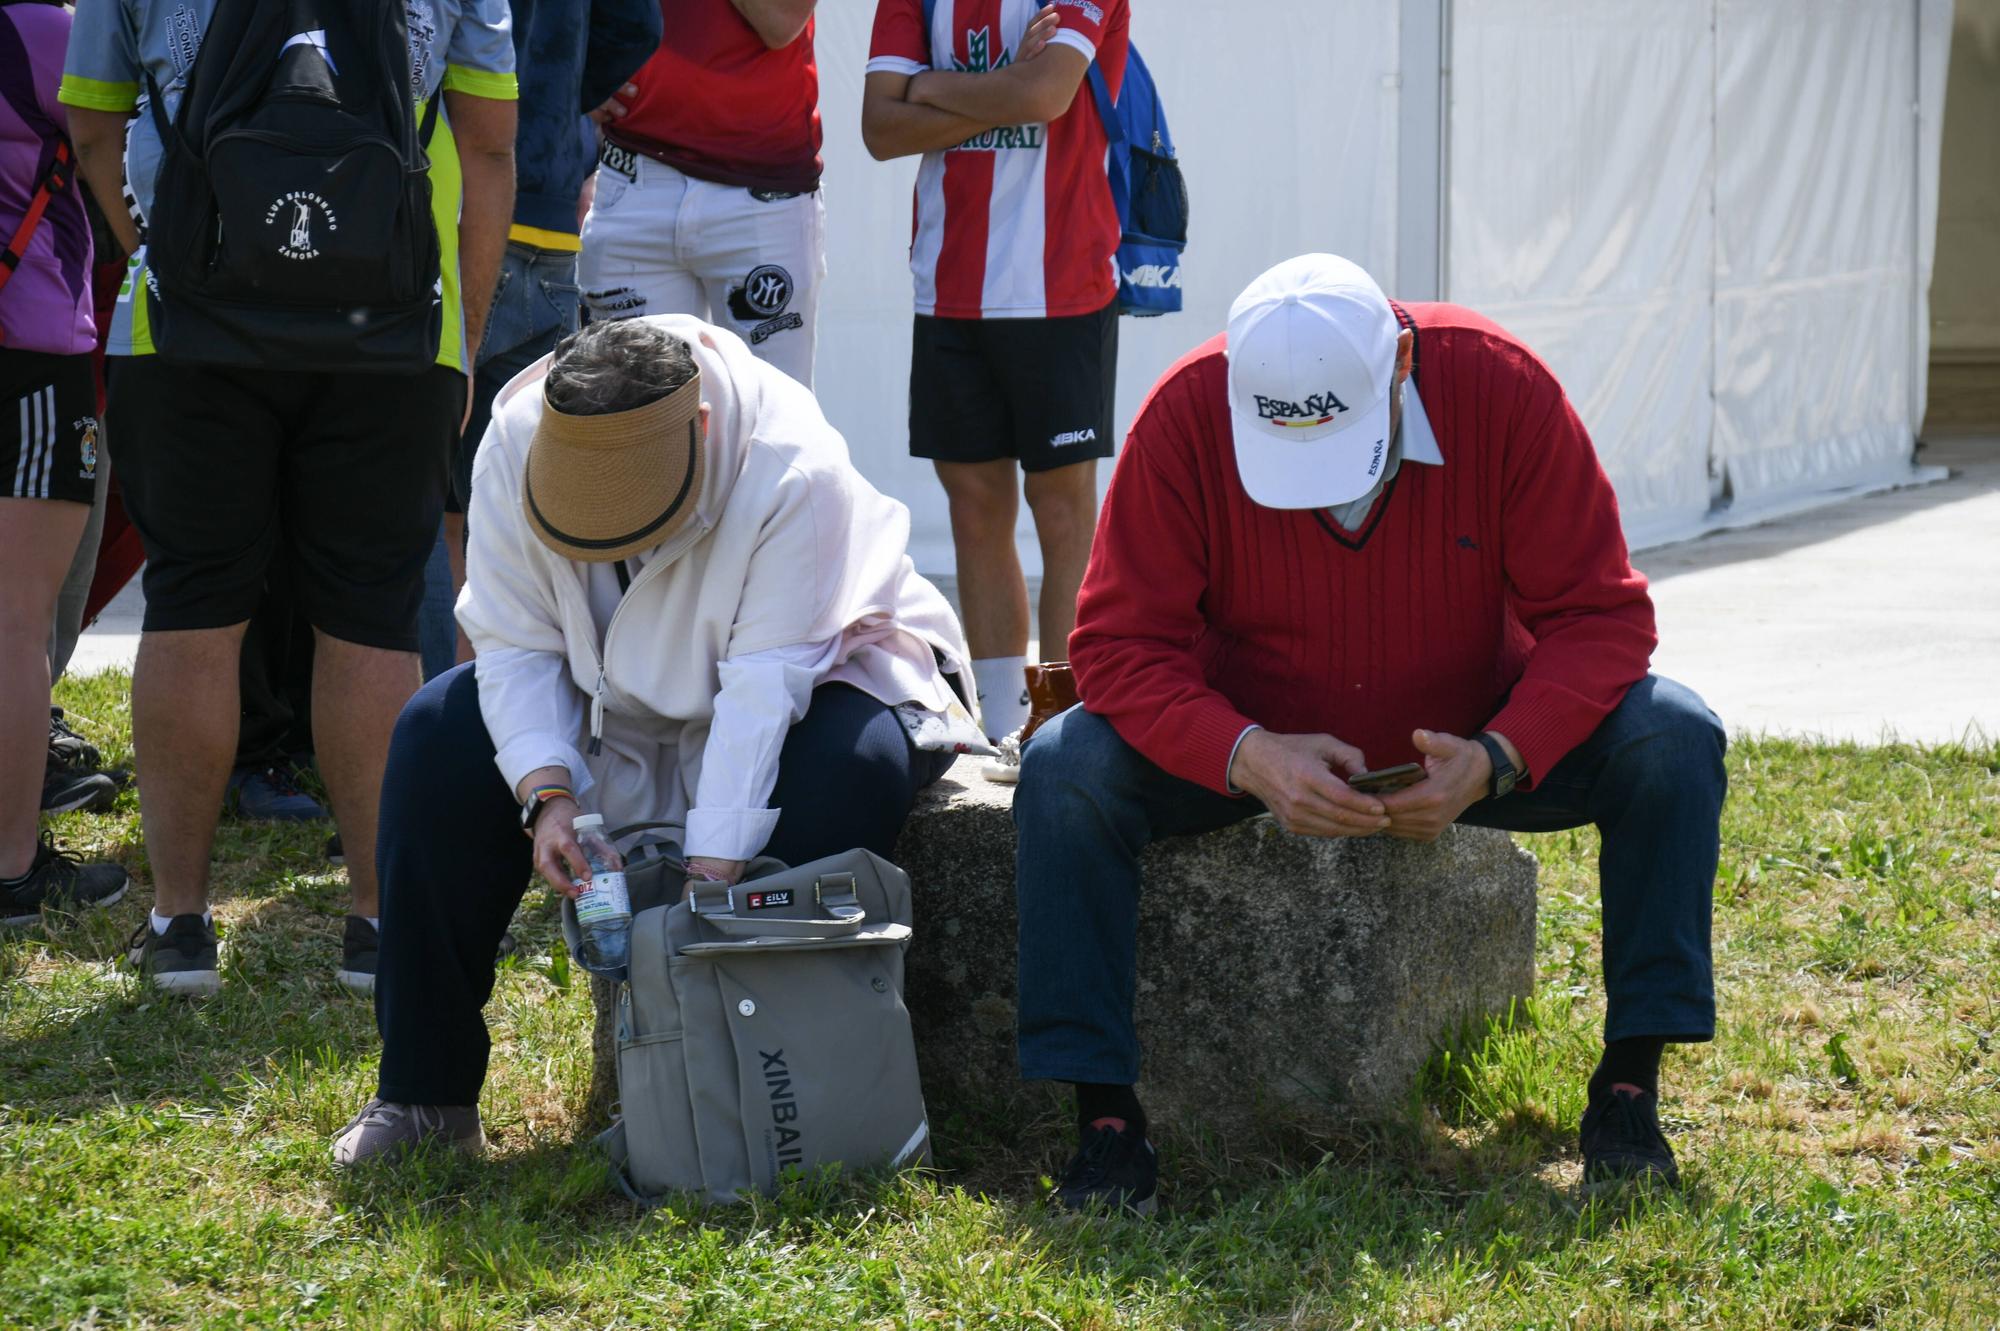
(1312, 367)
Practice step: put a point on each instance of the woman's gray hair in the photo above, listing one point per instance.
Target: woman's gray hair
(616, 366)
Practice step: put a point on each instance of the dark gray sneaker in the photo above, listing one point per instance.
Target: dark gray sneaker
(67, 787)
(1622, 1142)
(359, 945)
(1114, 1172)
(73, 750)
(58, 880)
(179, 961)
(383, 1130)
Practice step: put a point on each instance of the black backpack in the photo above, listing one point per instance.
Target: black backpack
(291, 224)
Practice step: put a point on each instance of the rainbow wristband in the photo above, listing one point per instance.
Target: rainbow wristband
(544, 794)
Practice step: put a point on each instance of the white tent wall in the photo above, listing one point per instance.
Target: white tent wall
(1714, 221)
(1287, 130)
(1579, 218)
(1816, 257)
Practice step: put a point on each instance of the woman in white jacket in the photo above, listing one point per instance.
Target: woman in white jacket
(685, 604)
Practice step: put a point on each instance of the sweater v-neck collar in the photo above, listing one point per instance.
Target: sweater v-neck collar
(1427, 453)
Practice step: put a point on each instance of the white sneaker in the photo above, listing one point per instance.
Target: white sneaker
(1005, 767)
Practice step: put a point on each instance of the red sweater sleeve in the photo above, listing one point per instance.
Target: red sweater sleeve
(1138, 616)
(1570, 580)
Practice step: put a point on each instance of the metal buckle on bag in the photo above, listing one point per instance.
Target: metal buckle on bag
(709, 897)
(835, 892)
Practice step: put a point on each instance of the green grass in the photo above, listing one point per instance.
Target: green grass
(164, 1164)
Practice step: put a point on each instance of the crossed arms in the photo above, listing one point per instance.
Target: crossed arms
(905, 114)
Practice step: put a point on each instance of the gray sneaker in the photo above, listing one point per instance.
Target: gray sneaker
(60, 881)
(383, 1130)
(359, 945)
(179, 961)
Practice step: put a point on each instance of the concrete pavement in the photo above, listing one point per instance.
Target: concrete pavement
(1875, 617)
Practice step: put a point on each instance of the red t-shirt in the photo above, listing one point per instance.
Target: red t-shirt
(1016, 223)
(718, 104)
(1491, 592)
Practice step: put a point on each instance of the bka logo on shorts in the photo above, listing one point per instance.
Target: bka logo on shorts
(1068, 437)
(300, 210)
(1317, 409)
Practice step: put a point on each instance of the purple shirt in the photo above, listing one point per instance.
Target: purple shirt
(47, 305)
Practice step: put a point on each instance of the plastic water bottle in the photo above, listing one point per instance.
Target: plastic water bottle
(603, 907)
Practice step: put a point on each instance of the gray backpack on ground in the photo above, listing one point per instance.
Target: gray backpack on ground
(762, 1027)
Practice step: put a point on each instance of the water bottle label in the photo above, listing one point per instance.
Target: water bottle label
(604, 900)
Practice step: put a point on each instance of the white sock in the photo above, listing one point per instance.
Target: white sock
(1003, 694)
(374, 922)
(160, 922)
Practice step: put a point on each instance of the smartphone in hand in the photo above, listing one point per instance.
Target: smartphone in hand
(1384, 780)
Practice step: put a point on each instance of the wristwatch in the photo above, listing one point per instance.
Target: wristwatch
(537, 799)
(1505, 775)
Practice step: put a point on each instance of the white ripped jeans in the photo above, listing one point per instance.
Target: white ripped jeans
(657, 241)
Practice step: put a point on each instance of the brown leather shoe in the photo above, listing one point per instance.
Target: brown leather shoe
(1051, 692)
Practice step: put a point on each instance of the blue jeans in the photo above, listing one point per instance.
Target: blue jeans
(1651, 778)
(454, 865)
(535, 306)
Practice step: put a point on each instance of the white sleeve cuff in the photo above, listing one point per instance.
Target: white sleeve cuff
(729, 834)
(1071, 37)
(1231, 765)
(532, 752)
(894, 64)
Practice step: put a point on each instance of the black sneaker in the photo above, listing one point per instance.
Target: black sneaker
(359, 945)
(180, 961)
(1116, 1170)
(74, 751)
(334, 854)
(61, 881)
(1622, 1141)
(72, 747)
(68, 787)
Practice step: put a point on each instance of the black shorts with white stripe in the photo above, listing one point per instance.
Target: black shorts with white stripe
(48, 426)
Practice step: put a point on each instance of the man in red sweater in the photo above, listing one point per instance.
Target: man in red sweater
(1353, 534)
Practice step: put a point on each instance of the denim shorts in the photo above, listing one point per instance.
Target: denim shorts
(534, 307)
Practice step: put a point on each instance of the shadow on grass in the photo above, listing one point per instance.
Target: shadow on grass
(1295, 1220)
(99, 1036)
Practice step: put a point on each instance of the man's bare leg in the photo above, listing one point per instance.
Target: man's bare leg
(985, 500)
(40, 537)
(1064, 502)
(185, 714)
(358, 692)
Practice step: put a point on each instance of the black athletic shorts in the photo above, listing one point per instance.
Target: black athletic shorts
(1035, 389)
(48, 426)
(346, 471)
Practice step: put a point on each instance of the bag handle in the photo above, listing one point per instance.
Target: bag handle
(715, 904)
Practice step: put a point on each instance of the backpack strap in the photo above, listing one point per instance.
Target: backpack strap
(430, 120)
(58, 178)
(1107, 110)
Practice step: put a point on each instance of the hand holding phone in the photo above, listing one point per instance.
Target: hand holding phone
(1383, 780)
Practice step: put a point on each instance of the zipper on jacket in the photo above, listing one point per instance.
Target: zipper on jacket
(597, 706)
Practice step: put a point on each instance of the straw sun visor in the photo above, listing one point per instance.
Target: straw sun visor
(602, 488)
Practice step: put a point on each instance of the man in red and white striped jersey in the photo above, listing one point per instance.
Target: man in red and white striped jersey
(1016, 341)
